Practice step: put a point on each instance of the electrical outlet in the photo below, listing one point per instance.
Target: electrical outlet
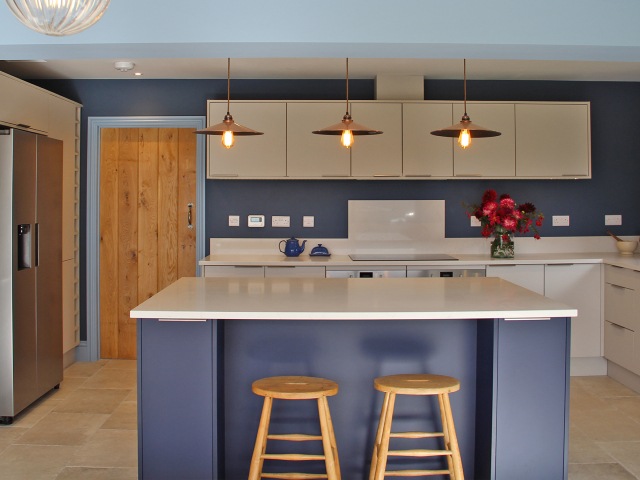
(280, 221)
(613, 219)
(560, 220)
(475, 222)
(308, 221)
(234, 220)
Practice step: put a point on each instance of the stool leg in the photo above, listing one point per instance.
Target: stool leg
(328, 440)
(378, 441)
(255, 472)
(386, 416)
(332, 434)
(451, 439)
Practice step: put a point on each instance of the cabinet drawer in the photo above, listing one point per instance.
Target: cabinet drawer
(619, 306)
(618, 345)
(624, 277)
(233, 271)
(291, 272)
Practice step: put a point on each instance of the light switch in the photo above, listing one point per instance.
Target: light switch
(308, 221)
(234, 220)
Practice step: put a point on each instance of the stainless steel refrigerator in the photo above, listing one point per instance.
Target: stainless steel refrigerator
(30, 269)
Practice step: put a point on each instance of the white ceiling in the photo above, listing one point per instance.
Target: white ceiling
(325, 68)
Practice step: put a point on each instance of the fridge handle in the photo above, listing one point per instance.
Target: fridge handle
(37, 244)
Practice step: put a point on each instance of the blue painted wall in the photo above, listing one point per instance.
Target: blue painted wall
(612, 190)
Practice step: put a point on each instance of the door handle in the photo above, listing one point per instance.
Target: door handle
(189, 216)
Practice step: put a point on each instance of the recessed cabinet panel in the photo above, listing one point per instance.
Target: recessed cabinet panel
(486, 157)
(552, 140)
(251, 156)
(23, 105)
(423, 154)
(311, 155)
(377, 155)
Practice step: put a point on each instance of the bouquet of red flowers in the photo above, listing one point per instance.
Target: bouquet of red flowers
(503, 216)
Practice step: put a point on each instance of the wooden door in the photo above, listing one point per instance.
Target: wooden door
(147, 181)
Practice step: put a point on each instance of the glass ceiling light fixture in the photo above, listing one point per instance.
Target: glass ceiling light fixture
(465, 130)
(58, 17)
(228, 128)
(347, 128)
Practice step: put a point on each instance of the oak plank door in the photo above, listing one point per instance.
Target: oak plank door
(147, 188)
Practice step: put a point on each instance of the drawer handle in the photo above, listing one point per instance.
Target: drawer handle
(618, 286)
(418, 175)
(560, 264)
(384, 175)
(247, 266)
(618, 326)
(468, 175)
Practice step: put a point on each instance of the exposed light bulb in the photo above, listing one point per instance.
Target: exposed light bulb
(346, 138)
(227, 139)
(464, 140)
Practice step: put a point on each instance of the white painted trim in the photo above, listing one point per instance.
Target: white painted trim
(91, 350)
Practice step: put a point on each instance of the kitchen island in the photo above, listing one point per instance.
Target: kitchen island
(203, 341)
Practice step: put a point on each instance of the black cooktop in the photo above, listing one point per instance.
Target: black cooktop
(399, 257)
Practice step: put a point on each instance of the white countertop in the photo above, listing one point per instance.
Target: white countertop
(626, 261)
(347, 299)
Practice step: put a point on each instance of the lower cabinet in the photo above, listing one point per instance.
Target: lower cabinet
(530, 277)
(264, 271)
(622, 320)
(579, 285)
(233, 271)
(294, 272)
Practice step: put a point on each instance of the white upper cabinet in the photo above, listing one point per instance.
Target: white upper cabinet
(23, 105)
(310, 155)
(257, 156)
(486, 157)
(553, 140)
(423, 154)
(377, 155)
(538, 140)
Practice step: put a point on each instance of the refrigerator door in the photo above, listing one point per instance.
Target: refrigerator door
(48, 261)
(25, 369)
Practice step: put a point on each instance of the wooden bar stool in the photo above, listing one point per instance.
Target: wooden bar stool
(416, 384)
(295, 388)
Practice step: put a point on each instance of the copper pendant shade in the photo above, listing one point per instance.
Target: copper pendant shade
(347, 125)
(465, 124)
(228, 124)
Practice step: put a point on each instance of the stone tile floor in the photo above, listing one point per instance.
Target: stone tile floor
(604, 430)
(87, 429)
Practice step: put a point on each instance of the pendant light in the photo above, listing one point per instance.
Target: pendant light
(347, 128)
(465, 130)
(228, 128)
(58, 17)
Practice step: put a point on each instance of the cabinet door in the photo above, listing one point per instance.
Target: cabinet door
(579, 285)
(487, 157)
(530, 277)
(310, 155)
(423, 154)
(251, 156)
(378, 155)
(294, 272)
(233, 271)
(23, 105)
(553, 140)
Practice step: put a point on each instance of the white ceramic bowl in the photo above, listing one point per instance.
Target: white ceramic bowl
(626, 247)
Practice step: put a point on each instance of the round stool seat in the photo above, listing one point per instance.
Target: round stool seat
(294, 387)
(417, 384)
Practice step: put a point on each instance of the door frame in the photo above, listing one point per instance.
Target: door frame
(89, 350)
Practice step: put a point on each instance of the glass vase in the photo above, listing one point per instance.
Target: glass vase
(502, 246)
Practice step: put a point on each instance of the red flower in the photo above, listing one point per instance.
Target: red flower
(489, 196)
(503, 216)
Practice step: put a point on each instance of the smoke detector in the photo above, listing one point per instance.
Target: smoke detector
(124, 66)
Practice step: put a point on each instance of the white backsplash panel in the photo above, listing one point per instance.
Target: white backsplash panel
(398, 225)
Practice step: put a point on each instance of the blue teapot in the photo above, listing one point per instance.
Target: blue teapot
(292, 248)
